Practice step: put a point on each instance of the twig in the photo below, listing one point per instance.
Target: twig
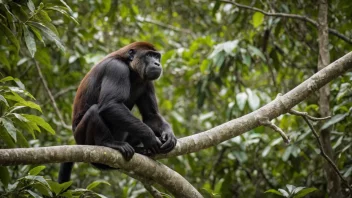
(277, 129)
(163, 25)
(62, 92)
(146, 183)
(293, 16)
(322, 152)
(153, 191)
(50, 95)
(305, 114)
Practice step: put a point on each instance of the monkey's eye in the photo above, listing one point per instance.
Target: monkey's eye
(131, 54)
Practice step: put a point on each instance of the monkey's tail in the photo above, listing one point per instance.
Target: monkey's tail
(65, 172)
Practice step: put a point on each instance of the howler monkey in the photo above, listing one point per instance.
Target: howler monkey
(104, 99)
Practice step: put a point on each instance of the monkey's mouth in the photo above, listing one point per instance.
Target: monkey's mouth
(153, 73)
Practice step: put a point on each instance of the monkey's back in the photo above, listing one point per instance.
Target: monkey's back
(87, 94)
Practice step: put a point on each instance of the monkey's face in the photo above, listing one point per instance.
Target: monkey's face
(146, 63)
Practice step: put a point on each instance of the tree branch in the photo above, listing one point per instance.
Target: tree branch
(305, 114)
(270, 111)
(306, 118)
(146, 183)
(46, 87)
(292, 16)
(322, 152)
(62, 92)
(163, 25)
(139, 165)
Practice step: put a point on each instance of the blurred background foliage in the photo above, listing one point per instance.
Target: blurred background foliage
(220, 62)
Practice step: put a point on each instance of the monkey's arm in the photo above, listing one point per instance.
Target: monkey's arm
(148, 107)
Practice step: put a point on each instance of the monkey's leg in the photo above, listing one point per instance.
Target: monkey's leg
(92, 130)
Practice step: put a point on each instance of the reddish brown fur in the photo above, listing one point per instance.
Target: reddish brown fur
(121, 54)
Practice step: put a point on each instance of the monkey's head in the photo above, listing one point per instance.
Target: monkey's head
(143, 59)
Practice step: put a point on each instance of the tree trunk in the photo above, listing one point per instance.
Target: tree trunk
(333, 181)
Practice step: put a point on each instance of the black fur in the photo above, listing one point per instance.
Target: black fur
(104, 100)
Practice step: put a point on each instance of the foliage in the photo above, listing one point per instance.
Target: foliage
(35, 186)
(292, 191)
(220, 62)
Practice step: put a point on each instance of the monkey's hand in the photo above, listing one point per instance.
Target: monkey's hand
(168, 140)
(152, 144)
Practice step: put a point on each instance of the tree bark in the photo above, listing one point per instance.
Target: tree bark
(139, 165)
(333, 181)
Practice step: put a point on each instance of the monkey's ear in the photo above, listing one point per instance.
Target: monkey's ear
(131, 54)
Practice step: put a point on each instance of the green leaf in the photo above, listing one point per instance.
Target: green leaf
(21, 101)
(42, 189)
(19, 117)
(15, 107)
(241, 99)
(36, 170)
(266, 151)
(35, 195)
(44, 16)
(48, 33)
(5, 176)
(255, 51)
(253, 100)
(4, 100)
(246, 59)
(5, 137)
(62, 11)
(30, 5)
(274, 192)
(21, 140)
(296, 190)
(65, 4)
(39, 179)
(10, 35)
(13, 186)
(257, 19)
(21, 85)
(30, 127)
(67, 194)
(9, 127)
(4, 61)
(8, 78)
(290, 188)
(37, 33)
(30, 42)
(65, 185)
(40, 121)
(230, 46)
(284, 192)
(304, 192)
(96, 183)
(59, 188)
(31, 105)
(335, 119)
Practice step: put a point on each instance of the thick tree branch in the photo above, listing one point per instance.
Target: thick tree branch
(292, 16)
(139, 165)
(280, 105)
